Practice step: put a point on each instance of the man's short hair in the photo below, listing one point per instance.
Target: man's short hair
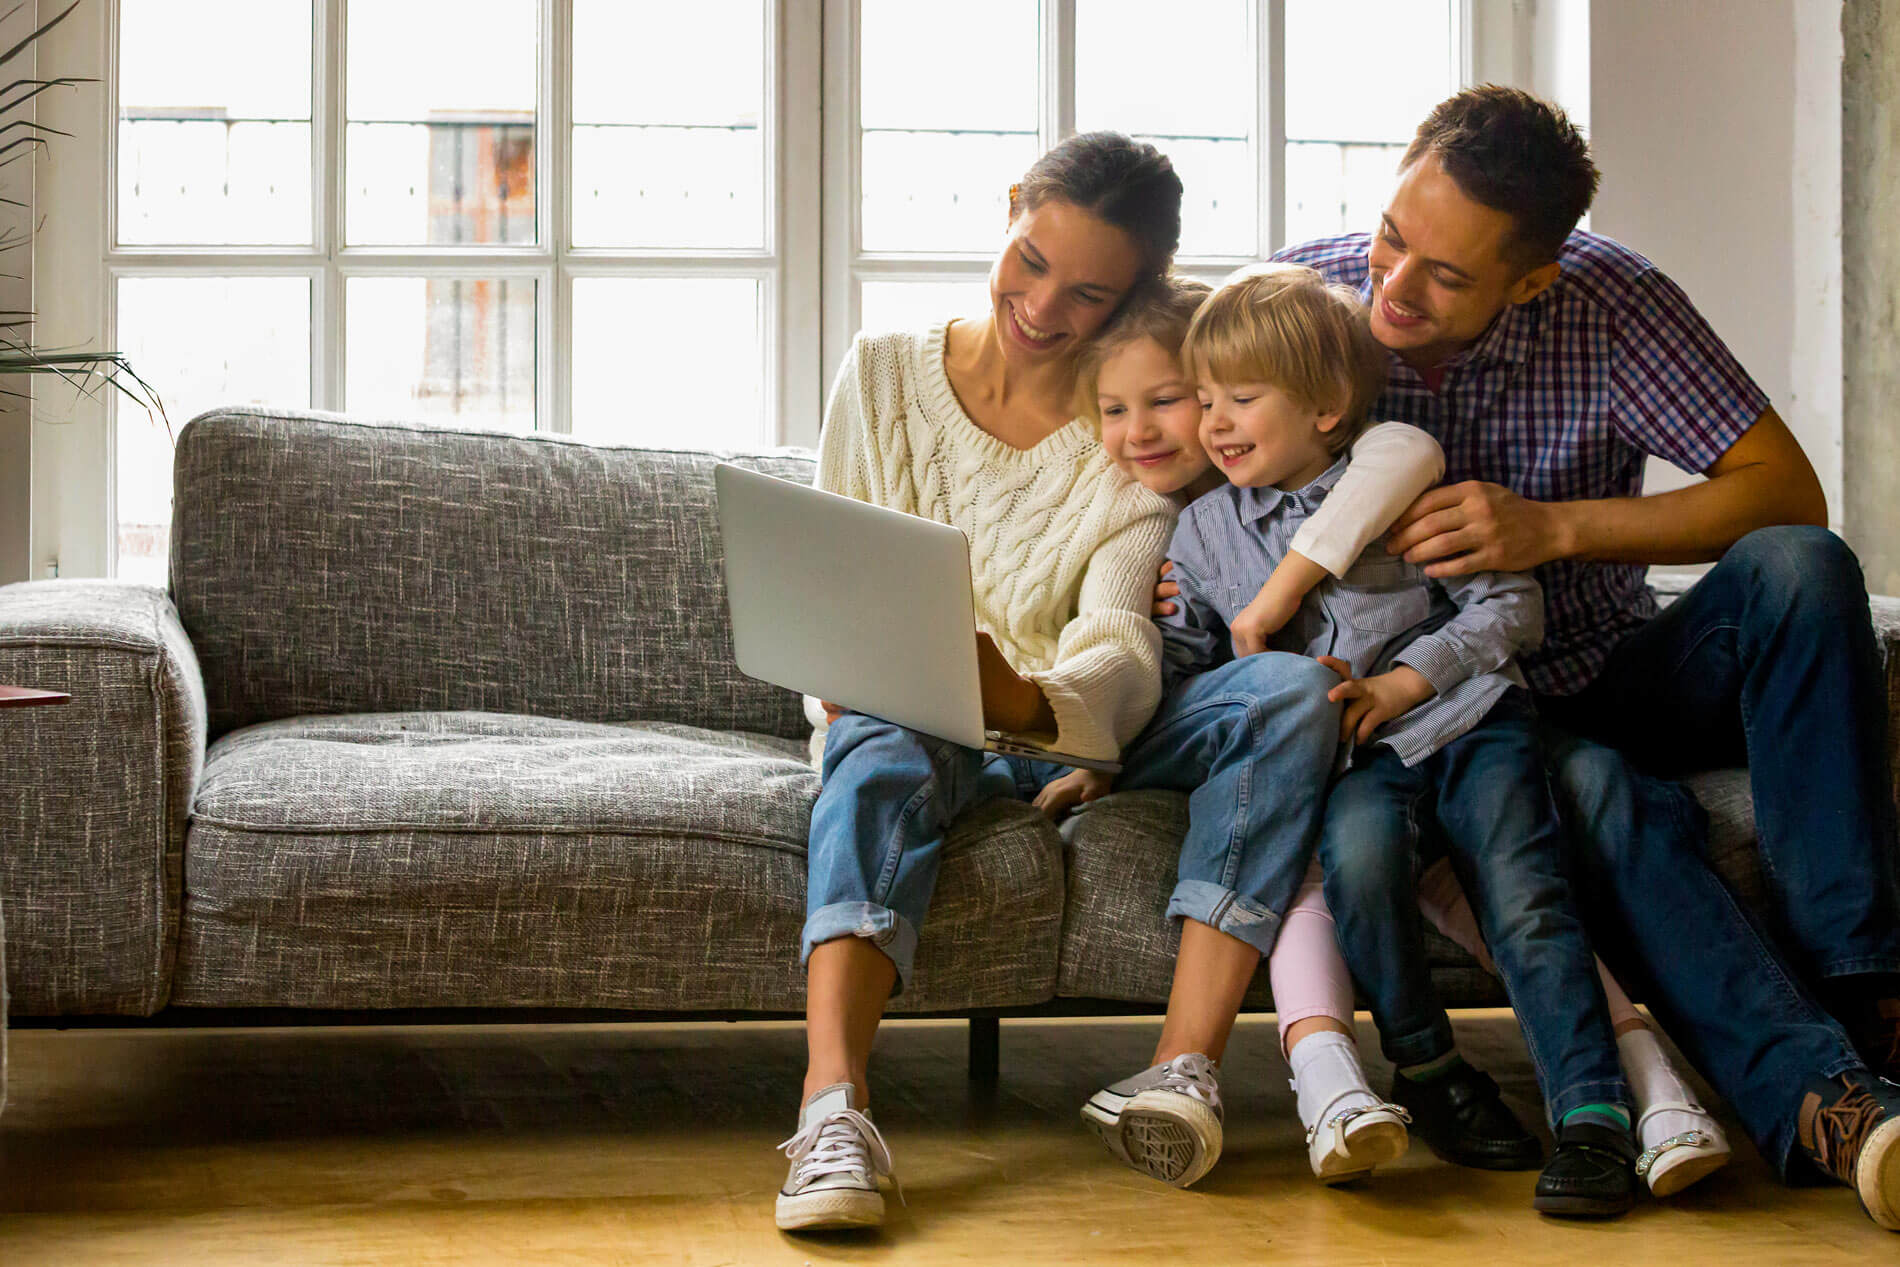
(1514, 153)
(1283, 324)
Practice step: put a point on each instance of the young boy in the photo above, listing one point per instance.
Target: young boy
(1435, 706)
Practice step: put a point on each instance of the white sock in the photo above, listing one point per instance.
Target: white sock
(1327, 1077)
(1653, 1080)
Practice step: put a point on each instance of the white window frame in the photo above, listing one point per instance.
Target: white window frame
(848, 265)
(83, 532)
(810, 269)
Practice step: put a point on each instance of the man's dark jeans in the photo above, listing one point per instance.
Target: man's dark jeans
(1488, 792)
(1770, 661)
(1681, 942)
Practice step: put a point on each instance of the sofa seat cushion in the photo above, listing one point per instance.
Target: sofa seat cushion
(492, 860)
(1118, 943)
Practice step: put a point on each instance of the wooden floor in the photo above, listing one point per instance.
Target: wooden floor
(648, 1144)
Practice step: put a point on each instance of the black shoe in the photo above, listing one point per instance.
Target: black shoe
(1461, 1117)
(1849, 1127)
(1592, 1175)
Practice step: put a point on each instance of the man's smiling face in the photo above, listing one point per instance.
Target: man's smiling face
(1442, 268)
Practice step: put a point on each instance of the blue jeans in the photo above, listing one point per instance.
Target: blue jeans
(1679, 939)
(1488, 792)
(887, 800)
(1252, 742)
(1770, 660)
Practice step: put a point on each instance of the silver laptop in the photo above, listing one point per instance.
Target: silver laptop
(866, 608)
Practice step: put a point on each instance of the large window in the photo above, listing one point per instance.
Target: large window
(622, 219)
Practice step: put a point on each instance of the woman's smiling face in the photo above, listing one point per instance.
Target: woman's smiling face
(1060, 276)
(1151, 416)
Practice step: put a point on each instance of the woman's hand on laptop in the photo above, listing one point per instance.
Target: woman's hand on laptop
(1011, 702)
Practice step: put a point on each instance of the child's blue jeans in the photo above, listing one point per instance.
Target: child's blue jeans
(1252, 741)
(1488, 791)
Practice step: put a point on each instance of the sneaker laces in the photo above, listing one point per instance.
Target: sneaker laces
(841, 1142)
(1195, 1076)
(1841, 1127)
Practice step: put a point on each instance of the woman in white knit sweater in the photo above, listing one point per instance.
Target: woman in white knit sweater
(973, 424)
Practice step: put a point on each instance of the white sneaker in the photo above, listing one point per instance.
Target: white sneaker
(1346, 1144)
(837, 1159)
(1164, 1121)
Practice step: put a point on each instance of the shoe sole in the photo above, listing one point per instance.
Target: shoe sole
(1877, 1174)
(1164, 1135)
(1485, 1161)
(1370, 1141)
(1680, 1167)
(1569, 1207)
(834, 1210)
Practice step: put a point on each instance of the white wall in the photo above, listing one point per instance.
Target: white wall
(1716, 124)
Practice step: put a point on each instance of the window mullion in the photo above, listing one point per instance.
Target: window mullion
(554, 312)
(843, 175)
(1270, 98)
(329, 110)
(1058, 71)
(798, 247)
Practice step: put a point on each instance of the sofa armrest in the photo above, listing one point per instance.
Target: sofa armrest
(95, 794)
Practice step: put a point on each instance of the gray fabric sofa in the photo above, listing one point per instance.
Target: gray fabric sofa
(439, 720)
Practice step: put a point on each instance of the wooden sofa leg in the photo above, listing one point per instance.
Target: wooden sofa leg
(985, 1044)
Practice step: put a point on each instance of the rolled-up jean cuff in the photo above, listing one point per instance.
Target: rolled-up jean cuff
(1420, 1048)
(1860, 967)
(1227, 911)
(1611, 1091)
(879, 925)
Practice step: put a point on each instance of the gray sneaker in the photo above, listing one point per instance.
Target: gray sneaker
(837, 1159)
(1164, 1121)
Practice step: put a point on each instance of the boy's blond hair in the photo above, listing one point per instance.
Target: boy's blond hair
(1160, 310)
(1282, 324)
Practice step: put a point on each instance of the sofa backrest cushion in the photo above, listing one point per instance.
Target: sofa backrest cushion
(323, 565)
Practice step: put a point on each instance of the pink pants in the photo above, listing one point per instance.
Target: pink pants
(1309, 975)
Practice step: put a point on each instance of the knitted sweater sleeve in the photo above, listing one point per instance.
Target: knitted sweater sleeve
(846, 464)
(1106, 679)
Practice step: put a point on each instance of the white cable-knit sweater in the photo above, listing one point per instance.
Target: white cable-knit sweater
(1063, 545)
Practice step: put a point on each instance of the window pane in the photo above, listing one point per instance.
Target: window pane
(214, 149)
(949, 118)
(1336, 188)
(201, 342)
(441, 132)
(1203, 120)
(888, 306)
(667, 108)
(1327, 101)
(453, 351)
(673, 363)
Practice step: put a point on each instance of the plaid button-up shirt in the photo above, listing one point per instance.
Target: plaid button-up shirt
(1564, 398)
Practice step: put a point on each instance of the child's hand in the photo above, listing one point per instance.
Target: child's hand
(1166, 591)
(832, 712)
(1371, 702)
(1077, 787)
(1259, 620)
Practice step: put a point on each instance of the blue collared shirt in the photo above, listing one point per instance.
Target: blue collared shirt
(1462, 633)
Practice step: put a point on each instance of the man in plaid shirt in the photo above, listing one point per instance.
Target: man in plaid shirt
(1550, 364)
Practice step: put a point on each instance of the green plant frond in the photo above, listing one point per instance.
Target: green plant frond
(26, 43)
(43, 85)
